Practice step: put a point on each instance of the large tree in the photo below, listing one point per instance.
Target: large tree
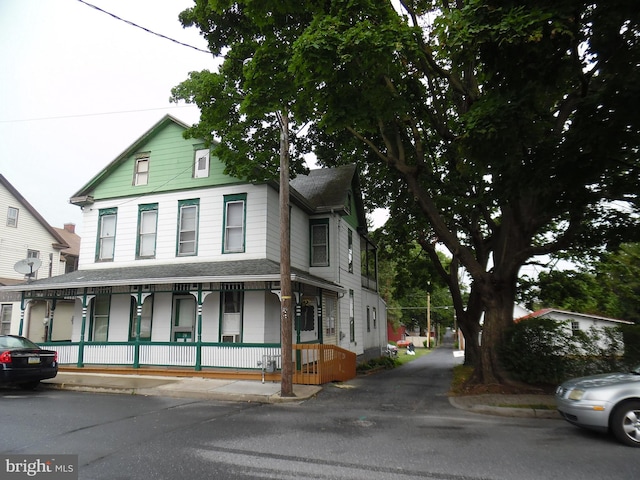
(502, 131)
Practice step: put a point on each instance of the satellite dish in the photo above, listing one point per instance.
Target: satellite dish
(28, 266)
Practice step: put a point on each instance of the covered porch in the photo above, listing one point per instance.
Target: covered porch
(181, 316)
(314, 364)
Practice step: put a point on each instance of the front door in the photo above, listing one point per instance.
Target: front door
(184, 319)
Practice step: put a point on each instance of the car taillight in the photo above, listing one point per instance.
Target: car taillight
(5, 357)
(55, 357)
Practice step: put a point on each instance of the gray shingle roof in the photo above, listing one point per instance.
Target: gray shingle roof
(261, 270)
(326, 188)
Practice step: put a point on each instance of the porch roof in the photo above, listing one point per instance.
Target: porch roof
(260, 270)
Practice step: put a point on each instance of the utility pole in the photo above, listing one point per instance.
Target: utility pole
(286, 313)
(429, 317)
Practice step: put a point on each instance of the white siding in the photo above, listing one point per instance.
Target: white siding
(209, 229)
(29, 234)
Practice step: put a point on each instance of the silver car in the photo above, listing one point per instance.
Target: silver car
(607, 402)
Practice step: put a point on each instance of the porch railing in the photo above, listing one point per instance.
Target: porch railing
(314, 364)
(317, 364)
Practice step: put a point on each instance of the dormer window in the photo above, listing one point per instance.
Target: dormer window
(201, 164)
(141, 173)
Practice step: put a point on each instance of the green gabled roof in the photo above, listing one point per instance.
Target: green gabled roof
(134, 147)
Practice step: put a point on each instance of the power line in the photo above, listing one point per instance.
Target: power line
(143, 28)
(79, 115)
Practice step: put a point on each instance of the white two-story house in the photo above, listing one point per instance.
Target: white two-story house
(31, 249)
(179, 264)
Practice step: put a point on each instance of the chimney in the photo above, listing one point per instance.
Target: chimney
(70, 227)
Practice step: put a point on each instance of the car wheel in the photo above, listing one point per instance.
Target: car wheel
(625, 423)
(30, 385)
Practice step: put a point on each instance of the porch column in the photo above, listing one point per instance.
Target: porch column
(136, 340)
(22, 309)
(83, 327)
(140, 299)
(319, 316)
(50, 322)
(200, 296)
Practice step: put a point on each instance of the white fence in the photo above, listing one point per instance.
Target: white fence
(239, 356)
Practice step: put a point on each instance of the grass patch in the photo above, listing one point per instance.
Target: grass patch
(385, 363)
(461, 373)
(404, 358)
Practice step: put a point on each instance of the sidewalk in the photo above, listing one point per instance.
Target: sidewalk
(183, 387)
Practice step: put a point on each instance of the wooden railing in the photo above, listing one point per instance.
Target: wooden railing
(317, 364)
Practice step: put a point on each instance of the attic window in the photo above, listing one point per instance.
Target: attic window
(347, 207)
(12, 217)
(141, 174)
(201, 164)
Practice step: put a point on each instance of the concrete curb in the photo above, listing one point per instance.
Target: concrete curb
(248, 392)
(493, 405)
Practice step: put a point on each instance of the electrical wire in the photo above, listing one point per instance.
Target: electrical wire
(80, 115)
(143, 28)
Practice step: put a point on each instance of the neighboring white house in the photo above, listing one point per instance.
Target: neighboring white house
(29, 244)
(179, 264)
(576, 322)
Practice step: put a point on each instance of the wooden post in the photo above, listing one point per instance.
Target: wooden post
(286, 313)
(428, 320)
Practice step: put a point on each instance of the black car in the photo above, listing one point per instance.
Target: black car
(24, 363)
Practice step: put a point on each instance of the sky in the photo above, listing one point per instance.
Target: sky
(77, 87)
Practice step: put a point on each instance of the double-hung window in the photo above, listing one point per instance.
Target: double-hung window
(201, 163)
(100, 319)
(234, 223)
(350, 250)
(5, 318)
(319, 243)
(352, 317)
(147, 230)
(188, 227)
(141, 172)
(12, 217)
(106, 234)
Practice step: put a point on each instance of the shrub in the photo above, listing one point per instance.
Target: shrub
(631, 336)
(379, 362)
(545, 351)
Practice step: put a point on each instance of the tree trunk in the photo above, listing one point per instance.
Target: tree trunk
(498, 317)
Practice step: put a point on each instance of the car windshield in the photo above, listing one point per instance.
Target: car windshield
(16, 342)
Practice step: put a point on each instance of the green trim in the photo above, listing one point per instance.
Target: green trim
(93, 312)
(242, 197)
(221, 315)
(101, 214)
(195, 202)
(151, 207)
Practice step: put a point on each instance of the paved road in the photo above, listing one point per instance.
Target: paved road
(392, 425)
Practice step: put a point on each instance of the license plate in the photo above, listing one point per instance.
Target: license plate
(33, 360)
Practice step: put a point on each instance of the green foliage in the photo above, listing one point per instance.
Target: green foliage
(383, 362)
(543, 351)
(631, 335)
(501, 130)
(608, 287)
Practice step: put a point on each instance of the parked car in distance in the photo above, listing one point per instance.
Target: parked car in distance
(24, 363)
(606, 402)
